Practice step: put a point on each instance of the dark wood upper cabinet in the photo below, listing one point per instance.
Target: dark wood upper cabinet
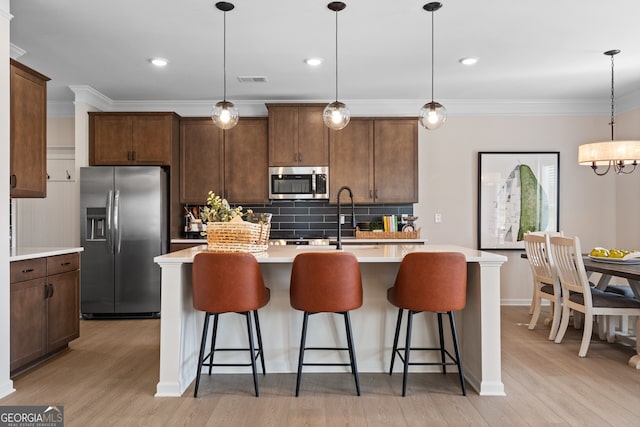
(201, 156)
(245, 161)
(377, 159)
(297, 135)
(231, 163)
(132, 138)
(351, 162)
(28, 140)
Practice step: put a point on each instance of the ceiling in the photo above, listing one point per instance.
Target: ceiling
(545, 51)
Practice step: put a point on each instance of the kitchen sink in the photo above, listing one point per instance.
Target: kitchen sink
(355, 247)
(312, 248)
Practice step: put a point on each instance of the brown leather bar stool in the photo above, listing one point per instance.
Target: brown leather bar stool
(326, 282)
(228, 283)
(435, 282)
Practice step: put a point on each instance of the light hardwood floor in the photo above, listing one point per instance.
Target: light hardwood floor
(108, 377)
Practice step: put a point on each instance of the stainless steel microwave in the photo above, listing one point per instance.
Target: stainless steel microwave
(299, 182)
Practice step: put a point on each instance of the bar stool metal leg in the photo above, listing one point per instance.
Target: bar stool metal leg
(252, 352)
(260, 348)
(303, 340)
(444, 366)
(457, 351)
(203, 344)
(395, 340)
(407, 350)
(216, 316)
(352, 355)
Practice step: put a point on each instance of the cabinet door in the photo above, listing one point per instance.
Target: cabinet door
(313, 137)
(245, 162)
(352, 160)
(283, 136)
(201, 155)
(63, 309)
(152, 138)
(110, 140)
(396, 161)
(28, 307)
(28, 150)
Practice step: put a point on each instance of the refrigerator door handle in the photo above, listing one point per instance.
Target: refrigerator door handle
(109, 231)
(116, 220)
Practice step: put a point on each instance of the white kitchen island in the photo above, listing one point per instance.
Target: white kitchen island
(373, 324)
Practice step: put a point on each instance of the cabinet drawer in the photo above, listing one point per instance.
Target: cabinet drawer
(28, 269)
(62, 263)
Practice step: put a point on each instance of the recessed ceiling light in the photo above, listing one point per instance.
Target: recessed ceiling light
(314, 62)
(159, 62)
(468, 60)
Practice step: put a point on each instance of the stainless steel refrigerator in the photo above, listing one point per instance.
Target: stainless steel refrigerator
(123, 221)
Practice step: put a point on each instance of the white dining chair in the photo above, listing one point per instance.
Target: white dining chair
(578, 295)
(540, 233)
(545, 280)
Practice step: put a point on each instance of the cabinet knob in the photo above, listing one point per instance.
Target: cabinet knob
(13, 180)
(27, 270)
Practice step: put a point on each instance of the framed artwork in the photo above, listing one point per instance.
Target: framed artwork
(517, 192)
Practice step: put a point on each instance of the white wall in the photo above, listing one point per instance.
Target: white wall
(52, 221)
(448, 183)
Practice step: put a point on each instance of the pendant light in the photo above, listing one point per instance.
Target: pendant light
(432, 114)
(622, 155)
(224, 114)
(336, 115)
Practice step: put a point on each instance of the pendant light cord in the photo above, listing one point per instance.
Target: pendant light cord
(432, 60)
(612, 100)
(336, 56)
(224, 57)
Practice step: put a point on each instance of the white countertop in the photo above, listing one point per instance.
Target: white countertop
(22, 253)
(345, 241)
(366, 253)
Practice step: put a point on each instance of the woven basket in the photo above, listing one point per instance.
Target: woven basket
(237, 237)
(387, 234)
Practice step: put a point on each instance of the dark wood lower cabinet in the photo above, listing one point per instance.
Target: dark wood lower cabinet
(28, 322)
(45, 310)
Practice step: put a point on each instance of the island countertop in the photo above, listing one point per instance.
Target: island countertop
(478, 328)
(366, 253)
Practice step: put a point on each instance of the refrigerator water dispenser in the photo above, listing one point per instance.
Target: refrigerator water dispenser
(96, 223)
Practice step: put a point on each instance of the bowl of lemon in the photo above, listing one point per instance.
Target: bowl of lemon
(615, 255)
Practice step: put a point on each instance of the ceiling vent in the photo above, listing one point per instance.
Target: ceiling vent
(252, 79)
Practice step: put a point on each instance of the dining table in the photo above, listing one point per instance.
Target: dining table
(608, 269)
(629, 270)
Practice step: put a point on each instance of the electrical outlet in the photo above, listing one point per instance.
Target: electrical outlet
(341, 219)
(437, 218)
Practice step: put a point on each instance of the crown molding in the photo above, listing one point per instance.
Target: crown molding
(4, 13)
(15, 51)
(87, 95)
(362, 107)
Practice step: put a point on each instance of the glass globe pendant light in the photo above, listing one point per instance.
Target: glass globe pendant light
(224, 114)
(336, 115)
(432, 114)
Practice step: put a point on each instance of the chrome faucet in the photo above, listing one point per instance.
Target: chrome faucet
(353, 214)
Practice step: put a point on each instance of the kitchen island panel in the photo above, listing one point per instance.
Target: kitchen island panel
(373, 324)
